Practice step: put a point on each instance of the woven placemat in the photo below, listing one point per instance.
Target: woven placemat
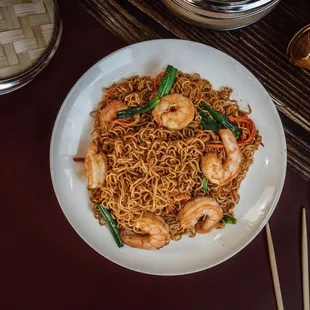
(26, 30)
(260, 47)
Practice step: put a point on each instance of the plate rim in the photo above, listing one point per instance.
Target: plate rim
(256, 232)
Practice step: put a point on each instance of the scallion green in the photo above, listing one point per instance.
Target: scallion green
(205, 185)
(222, 119)
(164, 89)
(229, 219)
(208, 123)
(111, 224)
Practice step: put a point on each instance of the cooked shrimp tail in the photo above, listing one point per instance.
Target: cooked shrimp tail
(174, 111)
(108, 114)
(155, 233)
(222, 173)
(96, 165)
(197, 208)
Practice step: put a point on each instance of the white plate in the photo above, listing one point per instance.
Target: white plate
(259, 192)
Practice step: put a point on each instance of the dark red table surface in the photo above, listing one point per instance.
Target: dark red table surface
(46, 265)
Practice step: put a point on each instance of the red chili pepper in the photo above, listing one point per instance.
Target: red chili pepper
(79, 159)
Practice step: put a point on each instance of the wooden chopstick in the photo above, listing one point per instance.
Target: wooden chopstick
(274, 269)
(304, 254)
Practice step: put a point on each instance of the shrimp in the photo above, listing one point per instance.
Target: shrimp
(174, 111)
(197, 208)
(177, 198)
(222, 173)
(96, 165)
(108, 114)
(156, 233)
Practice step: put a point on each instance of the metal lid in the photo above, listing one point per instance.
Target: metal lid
(29, 35)
(220, 15)
(224, 9)
(228, 5)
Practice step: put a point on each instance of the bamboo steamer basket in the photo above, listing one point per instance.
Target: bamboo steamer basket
(30, 32)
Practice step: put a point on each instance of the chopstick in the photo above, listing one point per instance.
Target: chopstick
(304, 254)
(274, 269)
